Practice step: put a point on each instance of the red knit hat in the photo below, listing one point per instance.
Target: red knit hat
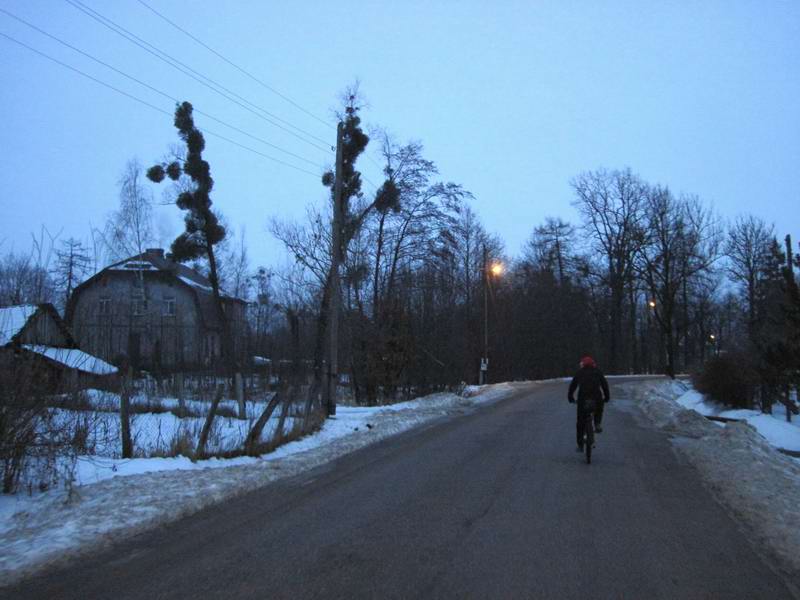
(588, 361)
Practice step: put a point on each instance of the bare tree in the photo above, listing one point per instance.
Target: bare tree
(748, 249)
(611, 204)
(129, 229)
(682, 242)
(72, 266)
(25, 278)
(550, 247)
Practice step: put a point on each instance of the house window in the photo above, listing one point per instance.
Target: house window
(139, 305)
(169, 307)
(105, 306)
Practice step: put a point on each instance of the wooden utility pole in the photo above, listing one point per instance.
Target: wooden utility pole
(336, 250)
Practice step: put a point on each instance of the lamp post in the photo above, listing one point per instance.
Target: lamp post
(713, 339)
(651, 305)
(495, 269)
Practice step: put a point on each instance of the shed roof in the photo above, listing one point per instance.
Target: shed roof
(13, 319)
(74, 359)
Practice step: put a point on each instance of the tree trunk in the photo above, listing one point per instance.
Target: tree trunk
(228, 347)
(616, 328)
(670, 346)
(287, 402)
(251, 444)
(212, 411)
(239, 383)
(124, 414)
(634, 352)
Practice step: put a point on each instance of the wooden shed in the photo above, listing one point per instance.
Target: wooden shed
(34, 339)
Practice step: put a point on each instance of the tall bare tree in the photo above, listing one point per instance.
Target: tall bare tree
(129, 229)
(72, 265)
(748, 250)
(682, 241)
(611, 204)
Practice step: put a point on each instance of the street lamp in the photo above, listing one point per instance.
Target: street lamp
(713, 340)
(648, 346)
(496, 269)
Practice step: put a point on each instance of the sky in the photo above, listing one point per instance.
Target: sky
(510, 99)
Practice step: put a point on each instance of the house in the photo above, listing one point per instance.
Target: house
(154, 314)
(35, 342)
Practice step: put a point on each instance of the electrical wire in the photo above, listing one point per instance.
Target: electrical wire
(152, 106)
(194, 74)
(176, 64)
(234, 65)
(156, 90)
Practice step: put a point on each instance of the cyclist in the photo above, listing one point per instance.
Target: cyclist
(592, 390)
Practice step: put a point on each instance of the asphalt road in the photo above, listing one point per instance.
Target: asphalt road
(496, 504)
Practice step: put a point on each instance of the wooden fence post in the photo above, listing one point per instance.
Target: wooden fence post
(179, 392)
(239, 383)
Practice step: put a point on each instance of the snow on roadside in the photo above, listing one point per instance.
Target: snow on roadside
(759, 485)
(774, 427)
(138, 494)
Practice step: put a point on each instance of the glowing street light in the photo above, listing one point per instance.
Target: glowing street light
(652, 304)
(496, 269)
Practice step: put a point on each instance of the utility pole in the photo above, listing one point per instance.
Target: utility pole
(485, 360)
(336, 249)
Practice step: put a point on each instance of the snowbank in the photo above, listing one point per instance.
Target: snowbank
(759, 485)
(775, 429)
(130, 496)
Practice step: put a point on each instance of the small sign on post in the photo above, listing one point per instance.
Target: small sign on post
(484, 371)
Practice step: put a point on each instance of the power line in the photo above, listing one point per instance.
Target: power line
(156, 90)
(194, 74)
(149, 105)
(234, 65)
(199, 77)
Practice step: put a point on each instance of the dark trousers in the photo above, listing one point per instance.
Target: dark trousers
(582, 410)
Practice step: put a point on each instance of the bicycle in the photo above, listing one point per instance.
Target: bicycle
(588, 430)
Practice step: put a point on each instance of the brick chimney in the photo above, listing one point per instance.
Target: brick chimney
(157, 252)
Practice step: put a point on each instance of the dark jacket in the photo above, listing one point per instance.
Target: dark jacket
(591, 385)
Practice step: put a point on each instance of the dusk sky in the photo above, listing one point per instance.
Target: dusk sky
(510, 99)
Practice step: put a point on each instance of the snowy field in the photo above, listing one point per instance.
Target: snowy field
(740, 463)
(113, 497)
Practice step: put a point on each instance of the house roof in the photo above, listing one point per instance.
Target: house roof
(14, 318)
(154, 261)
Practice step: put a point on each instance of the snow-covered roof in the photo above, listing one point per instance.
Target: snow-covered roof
(193, 283)
(134, 265)
(13, 319)
(74, 359)
(154, 260)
